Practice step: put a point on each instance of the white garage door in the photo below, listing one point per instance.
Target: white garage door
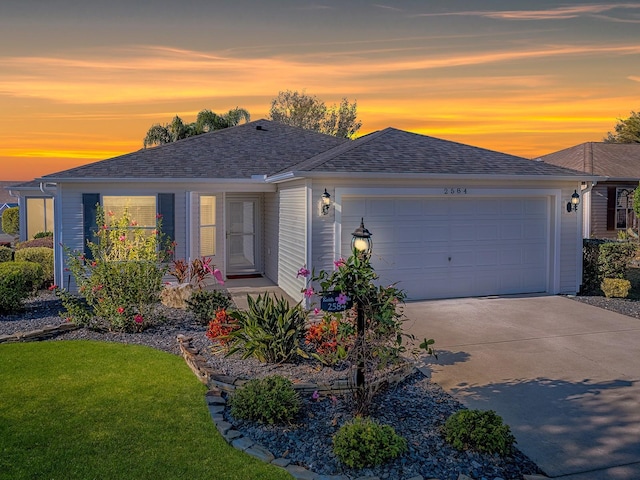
(455, 246)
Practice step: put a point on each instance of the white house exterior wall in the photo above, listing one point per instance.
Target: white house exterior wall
(271, 240)
(565, 246)
(69, 214)
(293, 236)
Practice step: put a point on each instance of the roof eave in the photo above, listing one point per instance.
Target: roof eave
(254, 179)
(432, 176)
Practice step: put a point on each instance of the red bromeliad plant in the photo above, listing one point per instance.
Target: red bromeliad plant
(195, 272)
(220, 328)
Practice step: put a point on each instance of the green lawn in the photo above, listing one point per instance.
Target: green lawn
(92, 410)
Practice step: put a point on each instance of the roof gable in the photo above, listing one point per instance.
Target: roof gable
(261, 147)
(392, 151)
(616, 160)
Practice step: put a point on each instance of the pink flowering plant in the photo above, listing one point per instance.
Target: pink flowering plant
(119, 286)
(354, 279)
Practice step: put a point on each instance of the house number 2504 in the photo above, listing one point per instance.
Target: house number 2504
(455, 191)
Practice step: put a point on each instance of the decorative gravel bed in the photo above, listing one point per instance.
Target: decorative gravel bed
(416, 408)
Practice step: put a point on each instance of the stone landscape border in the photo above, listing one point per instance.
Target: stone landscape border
(43, 333)
(216, 403)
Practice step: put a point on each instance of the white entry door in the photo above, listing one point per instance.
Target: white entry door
(242, 238)
(455, 247)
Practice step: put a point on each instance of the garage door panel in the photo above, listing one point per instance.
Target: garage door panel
(456, 246)
(490, 231)
(408, 207)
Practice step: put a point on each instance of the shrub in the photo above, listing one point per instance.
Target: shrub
(122, 283)
(42, 235)
(38, 242)
(11, 221)
(6, 254)
(363, 442)
(220, 327)
(604, 259)
(614, 259)
(13, 288)
(478, 430)
(270, 330)
(204, 304)
(615, 287)
(42, 256)
(30, 272)
(267, 400)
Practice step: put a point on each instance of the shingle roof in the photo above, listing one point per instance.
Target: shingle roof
(256, 148)
(4, 192)
(267, 148)
(616, 160)
(392, 151)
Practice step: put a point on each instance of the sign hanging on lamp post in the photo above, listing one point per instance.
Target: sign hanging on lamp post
(335, 302)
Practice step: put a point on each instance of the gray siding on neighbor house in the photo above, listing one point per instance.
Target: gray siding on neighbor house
(292, 244)
(599, 201)
(271, 206)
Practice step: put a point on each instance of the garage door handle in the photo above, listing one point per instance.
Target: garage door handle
(449, 258)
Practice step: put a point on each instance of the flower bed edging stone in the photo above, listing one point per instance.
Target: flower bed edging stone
(43, 333)
(216, 404)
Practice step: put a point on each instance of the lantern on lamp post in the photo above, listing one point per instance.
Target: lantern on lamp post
(361, 241)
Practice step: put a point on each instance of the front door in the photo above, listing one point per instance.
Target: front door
(242, 238)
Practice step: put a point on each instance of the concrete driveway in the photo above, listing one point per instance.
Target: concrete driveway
(564, 375)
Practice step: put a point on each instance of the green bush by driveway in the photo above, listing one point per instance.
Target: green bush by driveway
(81, 409)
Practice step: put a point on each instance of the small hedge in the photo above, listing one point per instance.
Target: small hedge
(11, 220)
(42, 256)
(605, 259)
(482, 431)
(16, 283)
(615, 287)
(363, 442)
(6, 254)
(38, 242)
(266, 400)
(204, 304)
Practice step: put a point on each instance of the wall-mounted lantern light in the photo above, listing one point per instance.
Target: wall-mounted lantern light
(572, 206)
(326, 202)
(361, 240)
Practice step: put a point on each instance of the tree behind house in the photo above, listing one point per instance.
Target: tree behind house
(626, 130)
(207, 121)
(309, 112)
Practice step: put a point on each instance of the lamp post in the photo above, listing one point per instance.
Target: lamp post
(361, 243)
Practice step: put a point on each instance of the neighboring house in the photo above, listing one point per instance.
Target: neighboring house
(608, 207)
(35, 199)
(447, 219)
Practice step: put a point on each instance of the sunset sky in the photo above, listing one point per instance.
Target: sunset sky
(81, 81)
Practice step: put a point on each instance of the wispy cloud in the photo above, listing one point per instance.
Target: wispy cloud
(634, 78)
(560, 13)
(387, 7)
(153, 72)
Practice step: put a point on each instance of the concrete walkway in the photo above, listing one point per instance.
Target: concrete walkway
(564, 375)
(241, 287)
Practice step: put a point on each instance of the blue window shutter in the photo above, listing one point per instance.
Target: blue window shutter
(89, 225)
(166, 208)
